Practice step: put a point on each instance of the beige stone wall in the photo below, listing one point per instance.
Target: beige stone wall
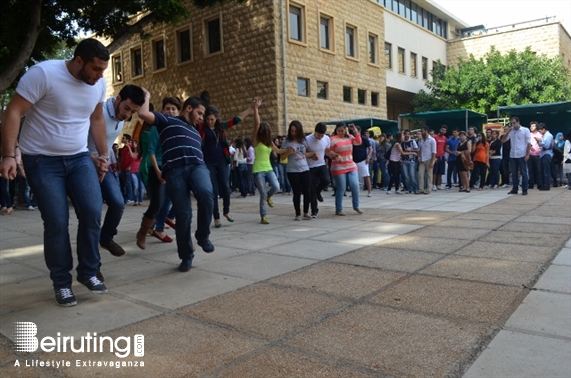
(565, 46)
(543, 39)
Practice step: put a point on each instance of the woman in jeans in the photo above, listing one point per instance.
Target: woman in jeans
(343, 168)
(382, 147)
(217, 156)
(395, 163)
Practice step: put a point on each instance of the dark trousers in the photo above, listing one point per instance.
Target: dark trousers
(545, 170)
(534, 171)
(394, 171)
(505, 170)
(482, 169)
(319, 181)
(300, 184)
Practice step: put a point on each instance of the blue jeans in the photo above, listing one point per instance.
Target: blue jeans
(495, 172)
(410, 176)
(545, 170)
(284, 183)
(260, 179)
(242, 179)
(111, 192)
(53, 179)
(127, 188)
(180, 182)
(519, 164)
(25, 188)
(138, 187)
(163, 213)
(219, 176)
(5, 196)
(452, 172)
(374, 172)
(385, 176)
(341, 181)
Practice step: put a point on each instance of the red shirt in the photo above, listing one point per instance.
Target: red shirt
(440, 144)
(126, 158)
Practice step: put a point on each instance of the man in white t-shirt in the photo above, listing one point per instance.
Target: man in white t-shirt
(520, 139)
(63, 103)
(318, 142)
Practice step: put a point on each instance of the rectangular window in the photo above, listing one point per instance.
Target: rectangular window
(325, 33)
(159, 54)
(213, 36)
(395, 6)
(184, 48)
(117, 69)
(137, 62)
(350, 42)
(361, 96)
(389, 55)
(424, 68)
(302, 87)
(402, 9)
(413, 13)
(322, 90)
(347, 94)
(412, 64)
(296, 22)
(401, 59)
(374, 99)
(373, 49)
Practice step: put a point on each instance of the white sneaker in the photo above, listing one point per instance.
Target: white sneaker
(389, 192)
(398, 192)
(434, 188)
(504, 186)
(31, 208)
(439, 187)
(369, 194)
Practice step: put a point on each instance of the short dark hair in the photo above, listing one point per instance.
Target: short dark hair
(133, 93)
(371, 134)
(321, 128)
(444, 127)
(514, 119)
(127, 136)
(193, 101)
(172, 101)
(425, 128)
(542, 126)
(455, 129)
(89, 49)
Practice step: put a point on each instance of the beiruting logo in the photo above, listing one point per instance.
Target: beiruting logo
(26, 341)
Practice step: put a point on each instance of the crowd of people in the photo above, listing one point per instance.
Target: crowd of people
(183, 152)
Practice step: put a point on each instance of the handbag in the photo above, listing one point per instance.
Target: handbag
(467, 161)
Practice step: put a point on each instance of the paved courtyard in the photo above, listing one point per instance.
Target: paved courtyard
(446, 284)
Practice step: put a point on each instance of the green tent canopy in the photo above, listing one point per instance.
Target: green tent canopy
(556, 115)
(458, 118)
(387, 126)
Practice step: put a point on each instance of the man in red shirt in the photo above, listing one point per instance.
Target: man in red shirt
(125, 160)
(440, 165)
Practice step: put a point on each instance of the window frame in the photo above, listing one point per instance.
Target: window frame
(376, 50)
(424, 68)
(413, 64)
(331, 19)
(132, 56)
(114, 80)
(362, 92)
(399, 50)
(307, 83)
(177, 33)
(302, 24)
(154, 53)
(390, 55)
(355, 41)
(326, 86)
(206, 34)
(350, 89)
(377, 95)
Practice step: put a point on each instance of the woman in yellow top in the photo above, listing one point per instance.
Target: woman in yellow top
(262, 169)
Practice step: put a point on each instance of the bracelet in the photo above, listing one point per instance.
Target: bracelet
(104, 157)
(9, 156)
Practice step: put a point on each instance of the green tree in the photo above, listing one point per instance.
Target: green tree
(31, 30)
(495, 80)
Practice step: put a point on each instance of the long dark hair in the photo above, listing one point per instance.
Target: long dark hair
(264, 134)
(482, 139)
(213, 110)
(299, 135)
(239, 145)
(248, 142)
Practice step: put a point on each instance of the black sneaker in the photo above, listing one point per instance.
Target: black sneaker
(185, 265)
(95, 285)
(206, 245)
(65, 297)
(319, 197)
(314, 213)
(114, 248)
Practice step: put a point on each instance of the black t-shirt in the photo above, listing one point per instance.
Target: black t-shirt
(360, 152)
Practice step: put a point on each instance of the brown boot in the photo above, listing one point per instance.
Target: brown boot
(146, 225)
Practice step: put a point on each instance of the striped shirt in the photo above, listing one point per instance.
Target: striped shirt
(343, 147)
(181, 142)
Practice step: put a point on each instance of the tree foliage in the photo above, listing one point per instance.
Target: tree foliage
(485, 84)
(31, 30)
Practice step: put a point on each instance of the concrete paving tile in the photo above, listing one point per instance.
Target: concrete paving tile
(497, 209)
(507, 251)
(14, 272)
(538, 219)
(178, 289)
(255, 226)
(265, 311)
(568, 244)
(388, 228)
(312, 249)
(487, 217)
(336, 223)
(512, 354)
(93, 313)
(563, 258)
(486, 270)
(302, 230)
(424, 218)
(543, 312)
(393, 342)
(526, 237)
(282, 363)
(22, 248)
(423, 243)
(174, 347)
(9, 371)
(447, 233)
(556, 278)
(256, 266)
(542, 228)
(254, 243)
(387, 258)
(477, 302)
(342, 280)
(353, 237)
(472, 224)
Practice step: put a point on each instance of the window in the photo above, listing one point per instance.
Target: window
(350, 41)
(373, 49)
(401, 60)
(296, 23)
(322, 90)
(412, 64)
(389, 55)
(302, 87)
(136, 62)
(395, 6)
(325, 33)
(361, 96)
(159, 54)
(424, 68)
(347, 94)
(374, 99)
(213, 36)
(183, 45)
(117, 69)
